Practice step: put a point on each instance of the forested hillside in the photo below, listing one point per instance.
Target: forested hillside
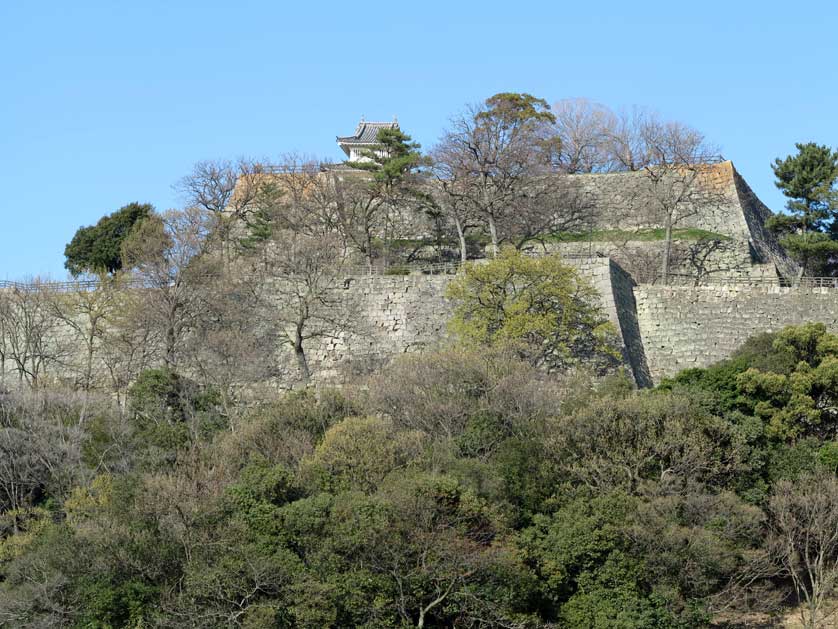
(164, 465)
(456, 488)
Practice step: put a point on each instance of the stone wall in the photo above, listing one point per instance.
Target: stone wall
(696, 260)
(763, 241)
(685, 327)
(390, 315)
(718, 200)
(617, 301)
(662, 329)
(629, 200)
(398, 314)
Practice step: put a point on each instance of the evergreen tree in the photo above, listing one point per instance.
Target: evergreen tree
(393, 157)
(98, 248)
(392, 189)
(808, 231)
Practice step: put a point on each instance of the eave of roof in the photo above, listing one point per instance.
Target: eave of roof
(367, 132)
(354, 140)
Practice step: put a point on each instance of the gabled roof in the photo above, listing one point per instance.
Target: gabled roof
(367, 132)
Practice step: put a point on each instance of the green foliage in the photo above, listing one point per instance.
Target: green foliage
(260, 221)
(393, 157)
(511, 109)
(168, 411)
(456, 488)
(801, 402)
(617, 235)
(310, 412)
(613, 597)
(539, 306)
(788, 461)
(259, 492)
(576, 539)
(527, 479)
(828, 456)
(808, 180)
(643, 439)
(359, 452)
(19, 530)
(98, 248)
(720, 382)
(510, 124)
(108, 604)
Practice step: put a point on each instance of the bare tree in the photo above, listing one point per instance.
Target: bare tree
(803, 542)
(304, 291)
(625, 138)
(494, 159)
(172, 258)
(447, 194)
(677, 166)
(130, 344)
(230, 190)
(84, 313)
(298, 195)
(229, 342)
(553, 204)
(360, 214)
(38, 450)
(223, 186)
(30, 334)
(583, 128)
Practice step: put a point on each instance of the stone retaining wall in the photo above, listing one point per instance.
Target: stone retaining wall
(701, 260)
(398, 314)
(391, 315)
(685, 327)
(663, 329)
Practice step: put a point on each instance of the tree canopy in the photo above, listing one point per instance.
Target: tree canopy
(98, 248)
(394, 155)
(538, 305)
(808, 231)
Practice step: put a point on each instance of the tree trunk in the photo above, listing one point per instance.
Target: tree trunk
(169, 359)
(667, 249)
(300, 354)
(494, 233)
(484, 183)
(461, 234)
(88, 369)
(368, 247)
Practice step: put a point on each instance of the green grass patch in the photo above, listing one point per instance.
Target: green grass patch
(397, 270)
(618, 235)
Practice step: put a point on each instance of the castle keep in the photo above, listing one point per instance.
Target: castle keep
(364, 139)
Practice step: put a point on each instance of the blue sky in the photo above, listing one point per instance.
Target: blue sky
(104, 103)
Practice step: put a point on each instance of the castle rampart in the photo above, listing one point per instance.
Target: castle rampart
(695, 326)
(662, 329)
(733, 276)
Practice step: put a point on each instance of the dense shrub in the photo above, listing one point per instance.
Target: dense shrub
(455, 488)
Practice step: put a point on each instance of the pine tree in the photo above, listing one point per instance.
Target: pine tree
(808, 231)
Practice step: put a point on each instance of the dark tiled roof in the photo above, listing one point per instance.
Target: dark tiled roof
(367, 132)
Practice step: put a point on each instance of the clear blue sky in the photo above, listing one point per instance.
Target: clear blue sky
(103, 103)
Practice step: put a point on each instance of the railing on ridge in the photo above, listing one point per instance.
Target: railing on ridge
(682, 279)
(358, 270)
(442, 268)
(436, 268)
